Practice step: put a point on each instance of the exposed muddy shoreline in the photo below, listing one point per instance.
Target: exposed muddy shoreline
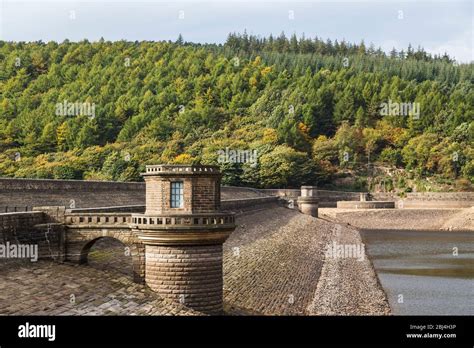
(411, 254)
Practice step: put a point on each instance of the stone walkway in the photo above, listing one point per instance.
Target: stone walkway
(104, 287)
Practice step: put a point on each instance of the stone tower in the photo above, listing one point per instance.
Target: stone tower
(308, 202)
(183, 230)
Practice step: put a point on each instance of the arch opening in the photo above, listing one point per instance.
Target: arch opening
(109, 254)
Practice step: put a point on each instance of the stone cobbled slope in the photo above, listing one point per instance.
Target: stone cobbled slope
(272, 262)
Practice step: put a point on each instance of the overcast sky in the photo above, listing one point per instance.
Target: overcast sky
(438, 26)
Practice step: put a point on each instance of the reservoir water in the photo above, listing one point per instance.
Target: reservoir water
(424, 272)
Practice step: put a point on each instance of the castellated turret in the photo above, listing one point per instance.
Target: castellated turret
(183, 229)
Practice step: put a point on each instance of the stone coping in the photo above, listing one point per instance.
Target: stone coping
(366, 204)
(21, 213)
(112, 209)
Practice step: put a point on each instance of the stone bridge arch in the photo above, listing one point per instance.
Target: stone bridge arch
(80, 240)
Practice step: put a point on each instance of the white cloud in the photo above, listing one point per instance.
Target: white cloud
(460, 48)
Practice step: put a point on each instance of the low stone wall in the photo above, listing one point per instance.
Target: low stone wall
(438, 200)
(20, 220)
(65, 185)
(366, 205)
(441, 196)
(330, 198)
(33, 228)
(429, 200)
(226, 205)
(284, 193)
(416, 200)
(412, 204)
(22, 194)
(247, 204)
(68, 193)
(326, 198)
(233, 192)
(116, 209)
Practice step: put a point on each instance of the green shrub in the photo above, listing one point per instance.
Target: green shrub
(391, 156)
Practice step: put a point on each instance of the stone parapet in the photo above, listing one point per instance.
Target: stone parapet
(98, 219)
(167, 221)
(33, 229)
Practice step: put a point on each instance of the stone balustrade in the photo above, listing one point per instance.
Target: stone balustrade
(163, 169)
(87, 219)
(215, 219)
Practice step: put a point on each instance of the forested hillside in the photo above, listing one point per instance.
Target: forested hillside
(310, 109)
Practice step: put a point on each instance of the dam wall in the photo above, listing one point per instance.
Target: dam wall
(23, 194)
(68, 193)
(429, 200)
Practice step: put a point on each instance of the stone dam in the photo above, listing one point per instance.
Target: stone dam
(123, 248)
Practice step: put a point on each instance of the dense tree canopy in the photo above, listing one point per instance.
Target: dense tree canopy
(309, 108)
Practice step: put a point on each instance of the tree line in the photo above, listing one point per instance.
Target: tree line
(310, 109)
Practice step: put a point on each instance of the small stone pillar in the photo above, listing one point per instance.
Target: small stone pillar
(308, 201)
(364, 197)
(183, 230)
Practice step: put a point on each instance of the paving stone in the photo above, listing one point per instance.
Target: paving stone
(45, 288)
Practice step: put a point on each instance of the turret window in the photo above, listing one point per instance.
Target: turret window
(177, 194)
